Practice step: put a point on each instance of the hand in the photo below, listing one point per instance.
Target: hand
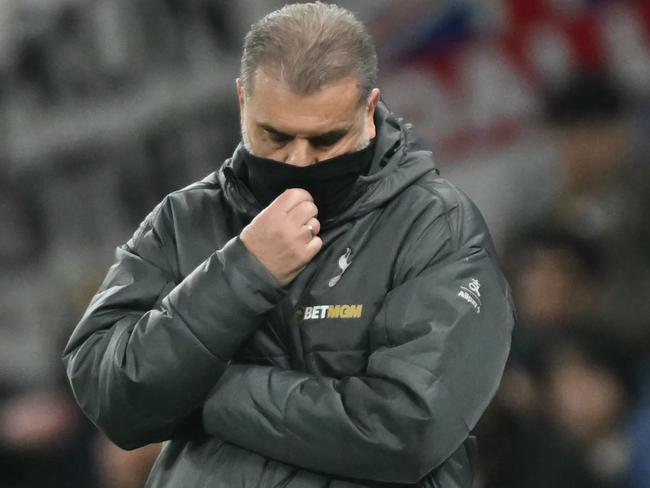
(280, 236)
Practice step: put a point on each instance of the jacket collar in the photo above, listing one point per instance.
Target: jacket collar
(396, 164)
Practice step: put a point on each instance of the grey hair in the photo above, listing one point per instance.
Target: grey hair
(307, 46)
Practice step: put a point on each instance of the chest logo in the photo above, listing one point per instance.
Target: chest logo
(329, 312)
(344, 262)
(472, 294)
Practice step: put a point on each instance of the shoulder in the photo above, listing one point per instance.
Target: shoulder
(433, 197)
(194, 194)
(195, 204)
(443, 221)
(190, 200)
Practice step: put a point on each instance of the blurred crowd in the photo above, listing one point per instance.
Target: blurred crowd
(539, 109)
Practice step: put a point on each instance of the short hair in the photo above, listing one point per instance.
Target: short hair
(308, 46)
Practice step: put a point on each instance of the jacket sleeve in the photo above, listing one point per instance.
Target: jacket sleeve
(436, 361)
(148, 350)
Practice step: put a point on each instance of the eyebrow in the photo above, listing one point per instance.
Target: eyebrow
(326, 138)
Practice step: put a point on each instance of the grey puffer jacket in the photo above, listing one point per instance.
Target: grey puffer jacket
(370, 369)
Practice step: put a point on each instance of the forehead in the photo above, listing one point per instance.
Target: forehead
(273, 103)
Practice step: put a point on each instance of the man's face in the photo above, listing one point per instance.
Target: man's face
(301, 130)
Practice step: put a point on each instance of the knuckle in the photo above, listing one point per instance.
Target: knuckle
(295, 192)
(307, 206)
(281, 200)
(302, 193)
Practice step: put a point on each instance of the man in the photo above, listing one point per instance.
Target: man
(322, 311)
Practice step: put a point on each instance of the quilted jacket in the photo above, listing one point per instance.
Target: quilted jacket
(370, 369)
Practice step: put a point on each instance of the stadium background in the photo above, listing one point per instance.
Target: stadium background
(536, 108)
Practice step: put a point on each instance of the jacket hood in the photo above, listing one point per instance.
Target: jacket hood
(397, 162)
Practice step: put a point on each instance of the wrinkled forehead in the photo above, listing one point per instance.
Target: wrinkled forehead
(274, 103)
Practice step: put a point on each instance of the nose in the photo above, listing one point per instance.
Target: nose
(301, 153)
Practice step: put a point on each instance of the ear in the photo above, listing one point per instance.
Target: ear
(373, 100)
(241, 96)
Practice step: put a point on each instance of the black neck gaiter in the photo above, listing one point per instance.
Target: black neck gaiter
(329, 182)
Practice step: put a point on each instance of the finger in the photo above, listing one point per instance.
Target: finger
(301, 213)
(288, 199)
(310, 229)
(314, 246)
(313, 226)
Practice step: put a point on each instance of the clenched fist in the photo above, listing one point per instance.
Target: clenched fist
(284, 236)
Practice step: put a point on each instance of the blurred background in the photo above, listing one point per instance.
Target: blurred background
(539, 109)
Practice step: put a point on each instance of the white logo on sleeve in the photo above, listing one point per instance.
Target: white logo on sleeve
(344, 262)
(472, 294)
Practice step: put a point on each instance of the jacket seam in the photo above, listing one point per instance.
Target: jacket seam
(157, 214)
(447, 210)
(200, 185)
(414, 244)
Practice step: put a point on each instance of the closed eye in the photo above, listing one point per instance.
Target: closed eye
(328, 139)
(279, 137)
(324, 140)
